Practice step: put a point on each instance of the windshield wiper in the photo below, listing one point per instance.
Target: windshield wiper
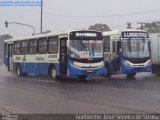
(91, 50)
(143, 44)
(129, 45)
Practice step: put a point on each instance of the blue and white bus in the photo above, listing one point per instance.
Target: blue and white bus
(127, 52)
(71, 53)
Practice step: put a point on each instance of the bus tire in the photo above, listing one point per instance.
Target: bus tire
(19, 70)
(25, 74)
(53, 73)
(82, 77)
(157, 73)
(131, 75)
(108, 74)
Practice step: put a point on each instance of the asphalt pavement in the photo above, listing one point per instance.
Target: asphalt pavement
(39, 94)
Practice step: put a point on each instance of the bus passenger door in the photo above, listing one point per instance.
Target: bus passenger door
(116, 54)
(10, 57)
(63, 56)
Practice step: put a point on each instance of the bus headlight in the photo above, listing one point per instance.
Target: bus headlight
(148, 62)
(126, 63)
(74, 65)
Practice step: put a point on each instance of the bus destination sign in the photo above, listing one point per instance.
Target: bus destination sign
(134, 34)
(85, 35)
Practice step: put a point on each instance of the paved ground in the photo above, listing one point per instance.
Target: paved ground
(38, 94)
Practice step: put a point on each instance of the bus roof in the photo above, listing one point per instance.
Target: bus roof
(34, 36)
(118, 32)
(45, 35)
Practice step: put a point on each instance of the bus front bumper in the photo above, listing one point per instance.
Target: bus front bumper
(126, 69)
(75, 71)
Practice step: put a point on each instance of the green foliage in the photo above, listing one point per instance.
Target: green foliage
(153, 27)
(99, 27)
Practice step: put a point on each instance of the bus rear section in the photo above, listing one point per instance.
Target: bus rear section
(127, 52)
(155, 49)
(74, 53)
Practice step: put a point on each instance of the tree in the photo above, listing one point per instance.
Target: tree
(153, 27)
(129, 25)
(99, 27)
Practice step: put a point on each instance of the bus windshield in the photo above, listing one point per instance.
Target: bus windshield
(86, 49)
(136, 47)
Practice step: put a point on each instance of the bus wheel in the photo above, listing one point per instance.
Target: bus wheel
(18, 70)
(25, 74)
(157, 73)
(131, 75)
(82, 77)
(53, 73)
(108, 75)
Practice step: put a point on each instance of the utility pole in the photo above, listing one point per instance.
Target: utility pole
(41, 22)
(129, 25)
(142, 25)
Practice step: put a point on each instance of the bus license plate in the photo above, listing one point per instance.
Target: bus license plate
(89, 71)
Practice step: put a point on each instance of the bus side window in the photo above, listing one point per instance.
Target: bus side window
(53, 45)
(24, 47)
(107, 44)
(118, 47)
(33, 46)
(17, 48)
(114, 46)
(42, 45)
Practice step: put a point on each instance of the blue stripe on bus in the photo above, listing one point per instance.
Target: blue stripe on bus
(79, 71)
(75, 71)
(5, 60)
(38, 68)
(110, 65)
(126, 69)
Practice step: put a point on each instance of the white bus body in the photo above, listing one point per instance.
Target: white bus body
(72, 53)
(127, 52)
(155, 49)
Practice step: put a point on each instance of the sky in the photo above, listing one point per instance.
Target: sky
(63, 15)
